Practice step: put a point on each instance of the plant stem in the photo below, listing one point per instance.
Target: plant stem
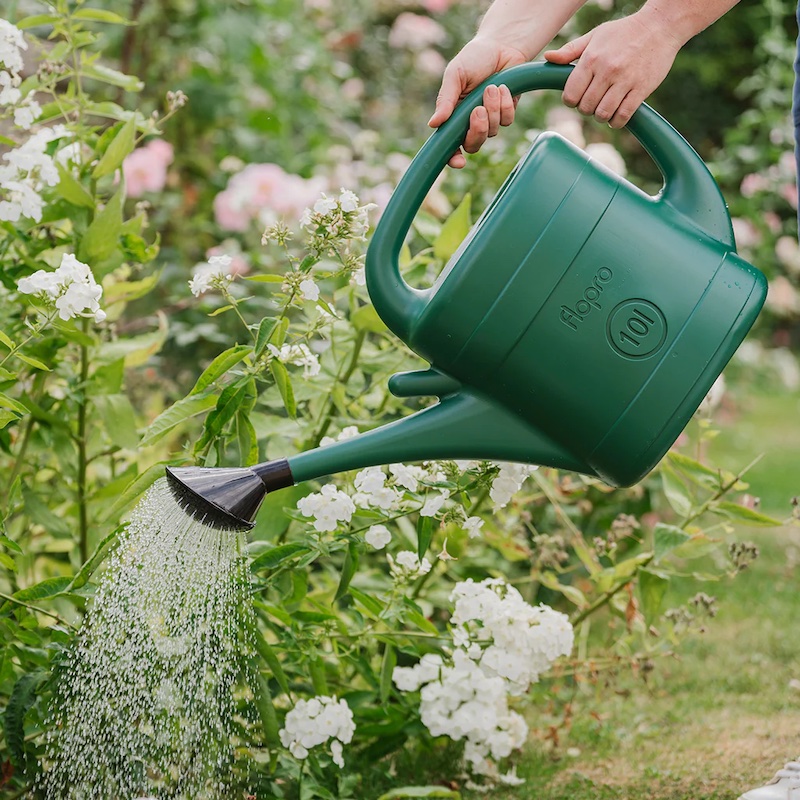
(83, 511)
(604, 599)
(342, 377)
(11, 599)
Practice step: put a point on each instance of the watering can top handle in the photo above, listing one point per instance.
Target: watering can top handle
(688, 187)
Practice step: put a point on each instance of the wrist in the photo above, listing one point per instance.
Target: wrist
(668, 23)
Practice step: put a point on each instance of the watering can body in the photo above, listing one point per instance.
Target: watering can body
(579, 325)
(595, 315)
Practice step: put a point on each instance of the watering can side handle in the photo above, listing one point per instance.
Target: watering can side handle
(688, 187)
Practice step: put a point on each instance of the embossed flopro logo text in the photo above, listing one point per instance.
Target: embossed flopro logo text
(591, 299)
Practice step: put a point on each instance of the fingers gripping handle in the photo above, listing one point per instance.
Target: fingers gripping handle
(688, 187)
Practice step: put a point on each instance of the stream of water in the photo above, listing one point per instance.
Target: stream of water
(149, 701)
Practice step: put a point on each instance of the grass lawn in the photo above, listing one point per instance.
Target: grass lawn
(723, 716)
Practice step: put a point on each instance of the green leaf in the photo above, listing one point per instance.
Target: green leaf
(8, 562)
(219, 366)
(102, 236)
(178, 412)
(71, 189)
(118, 417)
(454, 230)
(228, 403)
(7, 417)
(388, 663)
(130, 83)
(699, 473)
(666, 538)
(265, 278)
(747, 515)
(46, 588)
(266, 710)
(370, 604)
(35, 20)
(100, 15)
(40, 512)
(7, 375)
(22, 698)
(34, 362)
(246, 437)
(652, 588)
(136, 350)
(121, 146)
(572, 593)
(4, 339)
(284, 384)
(125, 291)
(349, 568)
(677, 494)
(271, 660)
(10, 544)
(420, 791)
(135, 488)
(278, 555)
(95, 560)
(265, 328)
(697, 546)
(424, 535)
(220, 310)
(367, 319)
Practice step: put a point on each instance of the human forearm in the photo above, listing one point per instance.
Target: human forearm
(683, 19)
(526, 25)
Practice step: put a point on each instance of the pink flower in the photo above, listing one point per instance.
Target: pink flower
(415, 32)
(430, 62)
(263, 192)
(145, 169)
(753, 183)
(437, 6)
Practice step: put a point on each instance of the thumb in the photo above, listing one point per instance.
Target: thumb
(448, 96)
(571, 51)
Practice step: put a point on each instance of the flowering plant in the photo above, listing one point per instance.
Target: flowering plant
(398, 610)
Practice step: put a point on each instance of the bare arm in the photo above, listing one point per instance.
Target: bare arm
(620, 63)
(512, 32)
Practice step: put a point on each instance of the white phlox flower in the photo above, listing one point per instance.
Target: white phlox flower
(339, 218)
(508, 482)
(212, 274)
(433, 503)
(347, 433)
(407, 476)
(12, 43)
(308, 289)
(328, 507)
(406, 566)
(27, 113)
(473, 525)
(359, 277)
(28, 169)
(378, 536)
(9, 91)
(313, 722)
(371, 490)
(299, 355)
(71, 289)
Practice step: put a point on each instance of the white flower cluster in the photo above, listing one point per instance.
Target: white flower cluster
(371, 490)
(347, 433)
(212, 274)
(297, 354)
(501, 646)
(12, 43)
(378, 536)
(27, 171)
(518, 641)
(328, 506)
(71, 289)
(508, 482)
(312, 722)
(406, 566)
(339, 218)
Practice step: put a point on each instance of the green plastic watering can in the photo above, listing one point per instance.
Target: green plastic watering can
(579, 325)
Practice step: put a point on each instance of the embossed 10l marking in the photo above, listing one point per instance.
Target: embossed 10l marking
(639, 325)
(636, 328)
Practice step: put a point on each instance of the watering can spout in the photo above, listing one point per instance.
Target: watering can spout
(463, 425)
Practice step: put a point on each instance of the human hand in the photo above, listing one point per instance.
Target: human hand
(477, 60)
(620, 63)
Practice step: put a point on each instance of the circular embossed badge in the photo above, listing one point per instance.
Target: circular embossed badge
(636, 328)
